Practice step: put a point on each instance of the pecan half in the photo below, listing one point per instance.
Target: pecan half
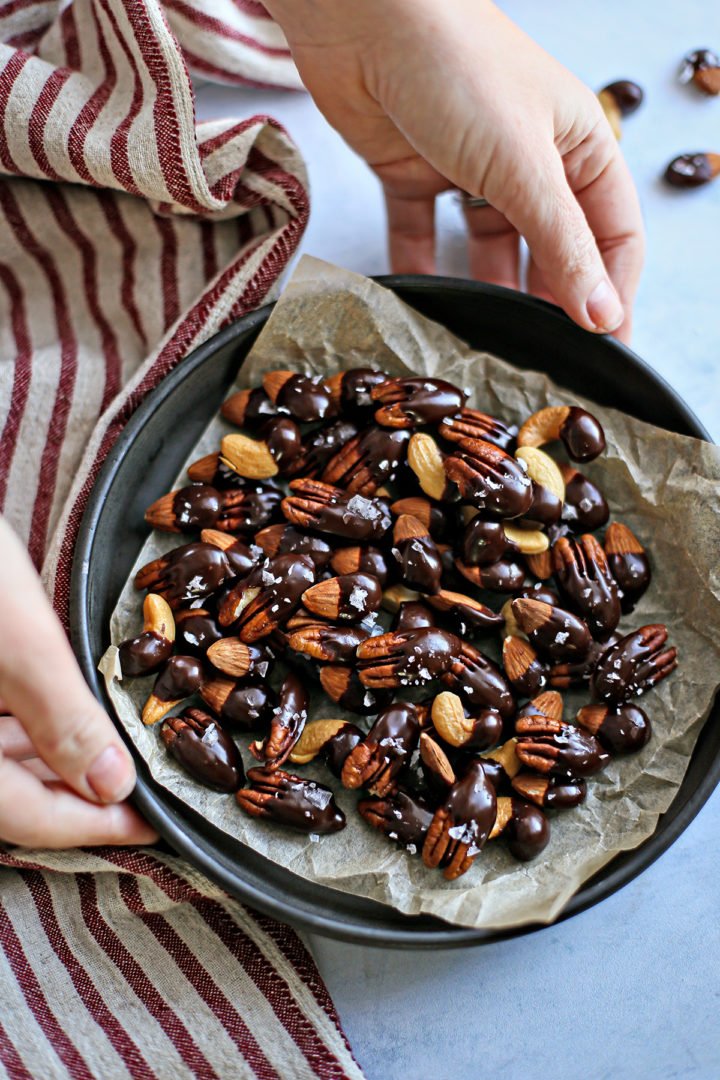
(268, 596)
(406, 658)
(290, 800)
(471, 424)
(414, 401)
(633, 665)
(286, 724)
(489, 478)
(461, 826)
(584, 577)
(552, 746)
(375, 762)
(186, 575)
(366, 462)
(201, 746)
(479, 681)
(315, 505)
(400, 817)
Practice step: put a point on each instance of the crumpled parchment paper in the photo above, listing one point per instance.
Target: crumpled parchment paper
(666, 487)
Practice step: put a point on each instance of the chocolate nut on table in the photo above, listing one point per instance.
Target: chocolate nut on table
(405, 658)
(375, 762)
(461, 826)
(552, 746)
(582, 572)
(186, 575)
(414, 401)
(702, 68)
(243, 704)
(622, 730)
(633, 665)
(489, 478)
(286, 724)
(314, 505)
(267, 597)
(628, 564)
(305, 397)
(554, 792)
(350, 390)
(692, 170)
(367, 461)
(144, 654)
(399, 816)
(290, 800)
(580, 432)
(471, 424)
(479, 682)
(207, 752)
(557, 634)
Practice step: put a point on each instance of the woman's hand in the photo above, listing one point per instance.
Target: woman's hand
(64, 769)
(454, 95)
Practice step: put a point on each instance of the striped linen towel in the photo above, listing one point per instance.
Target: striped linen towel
(129, 234)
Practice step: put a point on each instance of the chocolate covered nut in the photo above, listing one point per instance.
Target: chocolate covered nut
(539, 591)
(557, 634)
(350, 390)
(248, 408)
(489, 478)
(549, 703)
(633, 665)
(186, 575)
(692, 170)
(197, 630)
(479, 681)
(501, 764)
(701, 67)
(143, 655)
(249, 508)
(290, 800)
(545, 508)
(477, 732)
(180, 677)
(409, 402)
(406, 658)
(282, 539)
(482, 542)
(343, 685)
(367, 461)
(465, 614)
(328, 644)
(245, 704)
(622, 730)
(400, 817)
(583, 574)
(412, 615)
(552, 746)
(627, 95)
(527, 832)
(196, 506)
(276, 451)
(461, 826)
(578, 672)
(321, 444)
(211, 470)
(526, 672)
(501, 576)
(348, 598)
(416, 555)
(268, 596)
(286, 724)
(471, 424)
(315, 736)
(375, 762)
(554, 792)
(239, 556)
(207, 752)
(361, 557)
(303, 396)
(435, 518)
(329, 509)
(549, 485)
(580, 432)
(628, 564)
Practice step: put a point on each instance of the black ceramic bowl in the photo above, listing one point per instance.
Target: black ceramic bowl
(143, 464)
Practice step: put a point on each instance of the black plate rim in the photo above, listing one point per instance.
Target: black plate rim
(146, 796)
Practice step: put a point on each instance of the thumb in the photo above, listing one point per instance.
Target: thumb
(42, 686)
(545, 211)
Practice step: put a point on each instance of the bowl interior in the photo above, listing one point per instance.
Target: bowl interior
(143, 463)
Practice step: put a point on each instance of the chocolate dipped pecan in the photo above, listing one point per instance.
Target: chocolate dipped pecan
(583, 574)
(286, 724)
(410, 402)
(329, 509)
(633, 665)
(552, 746)
(367, 461)
(290, 800)
(186, 575)
(461, 826)
(267, 597)
(375, 762)
(405, 658)
(472, 424)
(207, 752)
(489, 478)
(399, 816)
(479, 681)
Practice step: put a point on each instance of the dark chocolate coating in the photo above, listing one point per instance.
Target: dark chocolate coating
(356, 386)
(482, 542)
(305, 398)
(554, 792)
(633, 665)
(295, 541)
(196, 506)
(527, 832)
(689, 171)
(585, 508)
(628, 96)
(377, 454)
(400, 817)
(298, 803)
(565, 750)
(588, 586)
(248, 706)
(479, 682)
(282, 581)
(240, 558)
(291, 710)
(541, 591)
(424, 400)
(472, 806)
(348, 691)
(207, 752)
(143, 655)
(545, 508)
(532, 681)
(701, 60)
(258, 506)
(360, 594)
(503, 576)
(258, 409)
(582, 435)
(181, 677)
(353, 516)
(464, 619)
(416, 656)
(190, 573)
(632, 572)
(322, 444)
(562, 636)
(496, 775)
(412, 615)
(624, 729)
(499, 486)
(419, 563)
(371, 560)
(335, 750)
(284, 441)
(486, 731)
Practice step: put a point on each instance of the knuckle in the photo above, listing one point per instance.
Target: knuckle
(71, 742)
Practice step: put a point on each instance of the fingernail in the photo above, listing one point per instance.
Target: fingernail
(111, 775)
(604, 308)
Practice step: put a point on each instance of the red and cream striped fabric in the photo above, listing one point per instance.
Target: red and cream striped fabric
(129, 235)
